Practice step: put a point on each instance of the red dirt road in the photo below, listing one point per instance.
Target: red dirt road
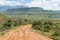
(24, 33)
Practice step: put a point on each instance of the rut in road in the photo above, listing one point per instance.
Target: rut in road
(24, 33)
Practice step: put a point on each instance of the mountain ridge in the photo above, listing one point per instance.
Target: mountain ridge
(4, 8)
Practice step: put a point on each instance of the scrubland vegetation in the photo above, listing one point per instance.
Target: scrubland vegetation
(46, 24)
(7, 23)
(49, 28)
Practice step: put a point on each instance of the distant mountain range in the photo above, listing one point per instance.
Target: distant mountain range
(4, 8)
(24, 9)
(33, 12)
(21, 9)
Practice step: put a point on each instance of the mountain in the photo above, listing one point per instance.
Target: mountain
(4, 8)
(25, 9)
(22, 8)
(32, 12)
(56, 10)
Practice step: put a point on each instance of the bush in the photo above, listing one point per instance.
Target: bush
(51, 27)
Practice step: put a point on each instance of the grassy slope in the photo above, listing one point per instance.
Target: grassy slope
(38, 16)
(35, 15)
(49, 28)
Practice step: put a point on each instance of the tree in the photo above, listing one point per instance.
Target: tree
(7, 24)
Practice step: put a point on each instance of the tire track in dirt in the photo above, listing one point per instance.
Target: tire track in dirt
(24, 33)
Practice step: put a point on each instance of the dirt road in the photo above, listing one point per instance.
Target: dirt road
(24, 33)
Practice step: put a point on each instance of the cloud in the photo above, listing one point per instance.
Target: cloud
(10, 3)
(46, 4)
(34, 4)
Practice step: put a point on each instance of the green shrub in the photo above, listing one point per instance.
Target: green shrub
(51, 27)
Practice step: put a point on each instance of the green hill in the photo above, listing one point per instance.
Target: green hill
(33, 13)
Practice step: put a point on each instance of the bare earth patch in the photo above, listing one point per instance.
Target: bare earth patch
(24, 33)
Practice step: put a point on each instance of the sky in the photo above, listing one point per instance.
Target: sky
(45, 4)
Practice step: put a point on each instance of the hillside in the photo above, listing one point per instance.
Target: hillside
(24, 9)
(24, 33)
(3, 19)
(43, 22)
(34, 13)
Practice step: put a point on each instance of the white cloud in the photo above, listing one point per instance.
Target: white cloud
(9, 3)
(48, 5)
(34, 4)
